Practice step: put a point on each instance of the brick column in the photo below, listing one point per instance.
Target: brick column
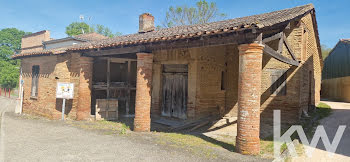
(142, 121)
(249, 92)
(84, 89)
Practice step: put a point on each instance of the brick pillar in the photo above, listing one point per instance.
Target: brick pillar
(142, 121)
(85, 86)
(249, 92)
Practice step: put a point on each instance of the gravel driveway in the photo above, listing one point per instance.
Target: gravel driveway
(24, 139)
(340, 116)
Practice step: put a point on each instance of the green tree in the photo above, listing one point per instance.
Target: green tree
(203, 12)
(10, 42)
(325, 51)
(77, 28)
(9, 75)
(103, 30)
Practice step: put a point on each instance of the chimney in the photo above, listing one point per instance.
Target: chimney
(146, 23)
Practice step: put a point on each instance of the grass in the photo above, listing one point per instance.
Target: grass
(322, 111)
(108, 127)
(196, 144)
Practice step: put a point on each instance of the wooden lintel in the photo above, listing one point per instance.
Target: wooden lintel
(116, 51)
(274, 37)
(116, 60)
(268, 50)
(288, 47)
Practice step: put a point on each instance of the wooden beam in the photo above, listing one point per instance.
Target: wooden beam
(108, 76)
(274, 37)
(268, 50)
(127, 106)
(280, 44)
(116, 51)
(288, 47)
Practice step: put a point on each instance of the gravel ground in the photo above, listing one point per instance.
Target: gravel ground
(340, 116)
(24, 139)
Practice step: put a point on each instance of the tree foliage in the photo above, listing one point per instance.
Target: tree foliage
(203, 12)
(77, 28)
(325, 51)
(10, 42)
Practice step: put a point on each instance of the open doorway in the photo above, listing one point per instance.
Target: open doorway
(114, 81)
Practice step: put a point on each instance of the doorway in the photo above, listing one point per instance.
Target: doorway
(174, 92)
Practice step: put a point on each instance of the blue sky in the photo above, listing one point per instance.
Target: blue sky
(122, 15)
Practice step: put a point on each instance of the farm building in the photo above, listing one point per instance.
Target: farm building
(243, 67)
(335, 73)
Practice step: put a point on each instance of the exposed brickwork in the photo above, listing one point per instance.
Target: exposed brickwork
(34, 42)
(249, 85)
(142, 121)
(85, 86)
(44, 103)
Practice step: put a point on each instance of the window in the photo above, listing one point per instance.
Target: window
(223, 87)
(278, 82)
(35, 80)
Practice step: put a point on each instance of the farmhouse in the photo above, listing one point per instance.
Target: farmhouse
(243, 67)
(335, 73)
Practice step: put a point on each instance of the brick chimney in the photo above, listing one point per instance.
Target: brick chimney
(146, 23)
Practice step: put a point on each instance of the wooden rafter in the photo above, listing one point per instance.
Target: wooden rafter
(278, 54)
(288, 47)
(268, 50)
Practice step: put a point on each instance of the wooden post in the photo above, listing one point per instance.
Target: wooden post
(108, 83)
(127, 106)
(9, 93)
(5, 91)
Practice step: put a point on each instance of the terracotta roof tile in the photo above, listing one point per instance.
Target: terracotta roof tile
(181, 32)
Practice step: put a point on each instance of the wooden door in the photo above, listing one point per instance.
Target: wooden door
(174, 94)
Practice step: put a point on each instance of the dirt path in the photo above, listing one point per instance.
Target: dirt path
(24, 139)
(340, 116)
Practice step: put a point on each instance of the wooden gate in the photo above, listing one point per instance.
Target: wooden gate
(174, 98)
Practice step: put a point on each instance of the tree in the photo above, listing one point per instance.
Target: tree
(10, 42)
(9, 75)
(325, 51)
(103, 30)
(203, 12)
(77, 28)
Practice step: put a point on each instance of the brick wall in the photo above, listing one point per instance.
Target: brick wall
(53, 69)
(34, 42)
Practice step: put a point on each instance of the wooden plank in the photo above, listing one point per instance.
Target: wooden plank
(280, 44)
(274, 37)
(279, 57)
(116, 51)
(288, 47)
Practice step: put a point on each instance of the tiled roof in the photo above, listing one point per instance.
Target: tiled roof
(182, 32)
(91, 36)
(259, 21)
